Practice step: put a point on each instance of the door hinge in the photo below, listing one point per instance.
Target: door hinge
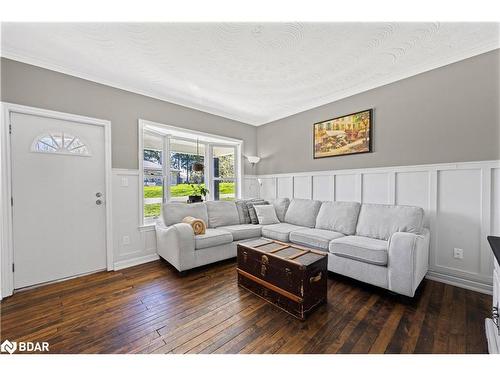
(12, 201)
(10, 128)
(13, 268)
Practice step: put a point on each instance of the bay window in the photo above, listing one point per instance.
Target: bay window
(175, 163)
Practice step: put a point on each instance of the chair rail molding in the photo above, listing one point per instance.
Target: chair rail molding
(461, 202)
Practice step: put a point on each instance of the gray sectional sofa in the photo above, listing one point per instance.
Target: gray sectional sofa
(384, 245)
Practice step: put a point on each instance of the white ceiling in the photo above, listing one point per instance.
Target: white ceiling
(254, 73)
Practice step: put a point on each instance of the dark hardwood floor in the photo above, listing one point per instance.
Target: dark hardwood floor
(151, 309)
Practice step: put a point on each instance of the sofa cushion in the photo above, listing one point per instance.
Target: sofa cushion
(363, 249)
(212, 237)
(338, 216)
(281, 205)
(251, 209)
(381, 221)
(302, 212)
(243, 231)
(266, 214)
(318, 238)
(279, 231)
(221, 213)
(174, 212)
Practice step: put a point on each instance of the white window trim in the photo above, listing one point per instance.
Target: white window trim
(60, 151)
(219, 141)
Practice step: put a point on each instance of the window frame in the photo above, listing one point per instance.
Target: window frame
(236, 170)
(61, 149)
(168, 133)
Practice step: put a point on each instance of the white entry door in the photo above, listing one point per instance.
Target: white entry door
(58, 186)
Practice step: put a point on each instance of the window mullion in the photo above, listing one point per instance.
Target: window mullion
(166, 168)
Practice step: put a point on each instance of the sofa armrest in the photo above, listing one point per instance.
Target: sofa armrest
(176, 244)
(408, 261)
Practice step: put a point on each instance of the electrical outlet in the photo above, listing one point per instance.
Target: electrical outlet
(126, 240)
(458, 253)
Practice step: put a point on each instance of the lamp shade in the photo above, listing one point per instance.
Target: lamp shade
(253, 159)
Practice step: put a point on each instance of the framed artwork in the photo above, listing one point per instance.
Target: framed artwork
(346, 135)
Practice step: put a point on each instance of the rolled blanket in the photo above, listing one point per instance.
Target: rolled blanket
(198, 225)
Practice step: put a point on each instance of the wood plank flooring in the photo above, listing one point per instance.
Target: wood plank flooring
(152, 309)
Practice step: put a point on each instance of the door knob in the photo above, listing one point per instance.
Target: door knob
(98, 202)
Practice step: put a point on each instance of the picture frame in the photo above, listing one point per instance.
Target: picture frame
(349, 134)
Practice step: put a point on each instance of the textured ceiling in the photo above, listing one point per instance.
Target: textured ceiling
(254, 73)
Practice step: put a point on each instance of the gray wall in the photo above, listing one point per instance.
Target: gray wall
(449, 114)
(29, 85)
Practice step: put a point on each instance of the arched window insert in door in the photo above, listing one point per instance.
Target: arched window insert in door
(60, 143)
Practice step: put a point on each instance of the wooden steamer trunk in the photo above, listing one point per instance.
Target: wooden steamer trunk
(291, 277)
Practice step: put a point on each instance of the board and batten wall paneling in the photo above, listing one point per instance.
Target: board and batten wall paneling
(141, 246)
(302, 187)
(375, 188)
(413, 189)
(458, 223)
(268, 188)
(495, 202)
(347, 187)
(285, 187)
(461, 203)
(323, 188)
(250, 187)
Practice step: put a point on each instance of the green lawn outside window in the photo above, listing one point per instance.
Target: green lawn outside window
(180, 190)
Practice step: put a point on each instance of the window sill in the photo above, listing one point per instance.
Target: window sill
(147, 227)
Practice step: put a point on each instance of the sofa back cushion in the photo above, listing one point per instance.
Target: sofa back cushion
(281, 205)
(381, 221)
(222, 213)
(174, 212)
(338, 217)
(302, 212)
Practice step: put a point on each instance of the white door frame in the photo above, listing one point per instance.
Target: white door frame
(6, 245)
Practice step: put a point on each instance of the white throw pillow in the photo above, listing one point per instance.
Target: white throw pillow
(266, 214)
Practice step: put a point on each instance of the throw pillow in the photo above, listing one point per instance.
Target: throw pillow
(242, 208)
(251, 210)
(266, 214)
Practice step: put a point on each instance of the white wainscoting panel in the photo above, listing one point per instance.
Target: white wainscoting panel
(126, 218)
(323, 188)
(302, 187)
(375, 188)
(461, 203)
(268, 188)
(495, 201)
(347, 187)
(413, 189)
(285, 187)
(458, 223)
(250, 187)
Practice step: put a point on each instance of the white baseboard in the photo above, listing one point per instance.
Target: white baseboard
(135, 261)
(460, 282)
